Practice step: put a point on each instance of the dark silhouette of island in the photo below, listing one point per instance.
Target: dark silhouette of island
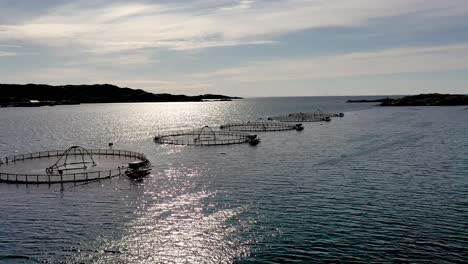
(370, 100)
(42, 94)
(433, 99)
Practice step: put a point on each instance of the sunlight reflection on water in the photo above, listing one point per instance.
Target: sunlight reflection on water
(378, 185)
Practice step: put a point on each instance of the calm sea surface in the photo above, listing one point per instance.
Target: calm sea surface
(378, 185)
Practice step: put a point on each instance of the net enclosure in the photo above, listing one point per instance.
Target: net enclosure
(75, 164)
(306, 117)
(206, 136)
(261, 126)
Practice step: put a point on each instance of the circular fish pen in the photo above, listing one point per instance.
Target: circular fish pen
(318, 114)
(261, 126)
(206, 136)
(306, 117)
(75, 164)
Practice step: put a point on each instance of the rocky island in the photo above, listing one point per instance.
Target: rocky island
(42, 94)
(434, 99)
(370, 100)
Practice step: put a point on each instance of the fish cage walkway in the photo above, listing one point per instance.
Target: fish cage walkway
(36, 178)
(206, 136)
(261, 126)
(306, 117)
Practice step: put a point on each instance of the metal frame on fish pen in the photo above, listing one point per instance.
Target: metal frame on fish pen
(318, 114)
(206, 136)
(261, 126)
(45, 178)
(306, 117)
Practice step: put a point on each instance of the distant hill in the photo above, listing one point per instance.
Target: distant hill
(370, 100)
(97, 93)
(434, 99)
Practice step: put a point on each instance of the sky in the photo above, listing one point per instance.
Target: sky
(239, 47)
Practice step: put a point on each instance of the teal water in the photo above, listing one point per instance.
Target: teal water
(379, 185)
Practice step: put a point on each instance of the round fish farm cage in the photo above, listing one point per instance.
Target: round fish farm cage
(306, 117)
(75, 164)
(206, 136)
(261, 126)
(318, 114)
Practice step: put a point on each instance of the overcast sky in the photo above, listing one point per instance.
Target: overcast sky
(246, 48)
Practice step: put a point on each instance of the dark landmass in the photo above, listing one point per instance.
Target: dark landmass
(370, 100)
(434, 99)
(42, 94)
(428, 100)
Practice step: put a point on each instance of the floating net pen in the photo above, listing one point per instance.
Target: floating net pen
(206, 136)
(318, 114)
(306, 117)
(261, 126)
(75, 164)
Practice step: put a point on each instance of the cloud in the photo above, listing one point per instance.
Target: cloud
(391, 61)
(62, 75)
(243, 4)
(166, 85)
(126, 42)
(126, 25)
(7, 54)
(76, 74)
(117, 60)
(10, 46)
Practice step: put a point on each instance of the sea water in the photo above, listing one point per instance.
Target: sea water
(378, 185)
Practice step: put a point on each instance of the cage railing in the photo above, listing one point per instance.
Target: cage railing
(258, 126)
(55, 153)
(213, 137)
(65, 177)
(316, 114)
(306, 117)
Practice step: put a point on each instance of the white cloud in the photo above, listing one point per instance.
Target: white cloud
(242, 80)
(62, 75)
(7, 54)
(89, 41)
(242, 4)
(76, 74)
(187, 25)
(117, 60)
(10, 46)
(392, 61)
(161, 86)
